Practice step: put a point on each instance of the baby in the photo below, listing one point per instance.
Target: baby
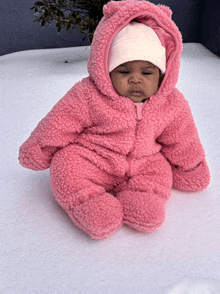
(121, 138)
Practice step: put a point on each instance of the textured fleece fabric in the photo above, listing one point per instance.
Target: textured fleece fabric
(112, 161)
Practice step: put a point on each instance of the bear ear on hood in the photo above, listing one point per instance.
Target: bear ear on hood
(112, 7)
(166, 9)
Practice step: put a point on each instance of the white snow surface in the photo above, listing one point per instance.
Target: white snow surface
(42, 251)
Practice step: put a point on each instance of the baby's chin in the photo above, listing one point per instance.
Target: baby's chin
(138, 98)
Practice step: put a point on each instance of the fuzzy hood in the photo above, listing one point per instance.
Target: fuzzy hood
(118, 14)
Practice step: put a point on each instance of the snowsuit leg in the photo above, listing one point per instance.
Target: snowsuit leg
(144, 196)
(80, 188)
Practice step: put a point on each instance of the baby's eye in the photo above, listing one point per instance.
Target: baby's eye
(147, 73)
(124, 72)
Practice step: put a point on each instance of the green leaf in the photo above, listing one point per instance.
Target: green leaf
(39, 3)
(60, 13)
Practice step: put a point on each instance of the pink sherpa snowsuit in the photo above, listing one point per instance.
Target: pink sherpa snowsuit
(112, 161)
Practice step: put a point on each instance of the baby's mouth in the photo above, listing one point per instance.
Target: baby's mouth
(136, 93)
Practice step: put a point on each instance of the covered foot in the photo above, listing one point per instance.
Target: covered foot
(99, 217)
(143, 211)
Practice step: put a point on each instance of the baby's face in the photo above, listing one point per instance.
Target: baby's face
(137, 80)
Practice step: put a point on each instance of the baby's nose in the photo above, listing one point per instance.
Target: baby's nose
(135, 79)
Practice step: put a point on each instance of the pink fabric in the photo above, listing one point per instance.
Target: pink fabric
(98, 143)
(139, 111)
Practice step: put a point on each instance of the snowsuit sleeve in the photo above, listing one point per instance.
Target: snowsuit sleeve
(60, 127)
(182, 148)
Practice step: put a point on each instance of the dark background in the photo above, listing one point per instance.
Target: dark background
(198, 21)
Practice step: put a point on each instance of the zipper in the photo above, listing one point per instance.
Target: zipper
(139, 117)
(139, 110)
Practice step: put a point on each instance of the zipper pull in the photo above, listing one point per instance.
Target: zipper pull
(139, 110)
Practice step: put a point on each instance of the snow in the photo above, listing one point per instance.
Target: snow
(42, 251)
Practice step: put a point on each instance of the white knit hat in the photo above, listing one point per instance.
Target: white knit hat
(137, 41)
